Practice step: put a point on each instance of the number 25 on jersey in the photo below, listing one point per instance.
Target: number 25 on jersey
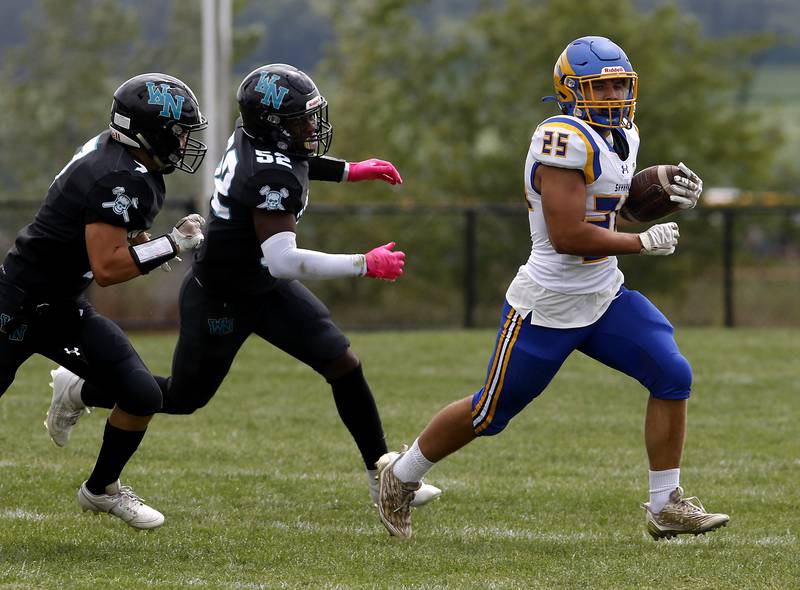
(555, 144)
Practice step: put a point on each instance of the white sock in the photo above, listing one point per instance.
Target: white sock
(413, 465)
(662, 483)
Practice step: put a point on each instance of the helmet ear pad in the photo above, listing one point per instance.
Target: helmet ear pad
(271, 130)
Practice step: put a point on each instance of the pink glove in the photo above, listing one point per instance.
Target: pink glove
(382, 263)
(373, 169)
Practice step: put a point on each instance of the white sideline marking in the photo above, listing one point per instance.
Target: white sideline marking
(482, 533)
(20, 514)
(787, 539)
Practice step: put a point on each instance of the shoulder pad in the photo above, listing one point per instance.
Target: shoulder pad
(567, 142)
(119, 198)
(273, 190)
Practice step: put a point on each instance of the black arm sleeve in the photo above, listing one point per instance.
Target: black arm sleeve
(325, 169)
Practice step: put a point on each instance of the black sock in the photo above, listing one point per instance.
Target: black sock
(118, 447)
(359, 413)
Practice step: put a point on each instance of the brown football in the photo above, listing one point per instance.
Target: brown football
(648, 199)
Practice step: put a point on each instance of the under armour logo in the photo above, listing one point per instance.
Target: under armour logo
(624, 168)
(74, 351)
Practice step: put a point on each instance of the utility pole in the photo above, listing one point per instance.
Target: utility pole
(215, 101)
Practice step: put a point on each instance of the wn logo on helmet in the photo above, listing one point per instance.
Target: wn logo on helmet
(161, 96)
(273, 94)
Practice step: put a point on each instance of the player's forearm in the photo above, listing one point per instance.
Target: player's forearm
(286, 261)
(109, 253)
(116, 267)
(586, 239)
(327, 169)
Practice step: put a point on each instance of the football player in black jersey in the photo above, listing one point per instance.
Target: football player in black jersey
(93, 225)
(246, 277)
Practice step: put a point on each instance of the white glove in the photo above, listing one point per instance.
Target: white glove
(188, 232)
(686, 190)
(660, 239)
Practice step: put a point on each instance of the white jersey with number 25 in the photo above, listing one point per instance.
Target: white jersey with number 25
(567, 142)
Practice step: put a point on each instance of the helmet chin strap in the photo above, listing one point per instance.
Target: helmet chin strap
(162, 167)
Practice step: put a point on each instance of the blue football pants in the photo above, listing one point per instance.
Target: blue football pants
(632, 336)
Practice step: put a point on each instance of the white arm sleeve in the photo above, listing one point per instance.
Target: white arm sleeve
(286, 261)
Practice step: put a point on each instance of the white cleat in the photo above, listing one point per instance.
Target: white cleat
(120, 501)
(424, 495)
(66, 406)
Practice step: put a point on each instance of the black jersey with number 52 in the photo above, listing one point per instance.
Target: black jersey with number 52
(248, 177)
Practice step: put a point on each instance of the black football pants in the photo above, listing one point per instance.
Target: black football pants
(72, 334)
(212, 331)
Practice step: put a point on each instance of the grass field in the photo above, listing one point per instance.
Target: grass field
(263, 488)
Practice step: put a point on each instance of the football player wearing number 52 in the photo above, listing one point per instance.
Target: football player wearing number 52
(93, 225)
(570, 294)
(246, 278)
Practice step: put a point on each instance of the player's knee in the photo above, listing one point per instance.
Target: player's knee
(341, 367)
(676, 380)
(142, 395)
(485, 423)
(489, 428)
(183, 407)
(185, 394)
(183, 401)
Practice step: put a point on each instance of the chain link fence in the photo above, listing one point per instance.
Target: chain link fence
(734, 266)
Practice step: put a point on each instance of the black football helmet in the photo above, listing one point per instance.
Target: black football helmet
(158, 113)
(280, 105)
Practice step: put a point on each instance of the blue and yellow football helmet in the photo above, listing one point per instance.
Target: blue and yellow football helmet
(588, 59)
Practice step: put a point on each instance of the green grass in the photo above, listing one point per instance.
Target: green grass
(264, 489)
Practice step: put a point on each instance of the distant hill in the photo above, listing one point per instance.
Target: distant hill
(11, 12)
(722, 18)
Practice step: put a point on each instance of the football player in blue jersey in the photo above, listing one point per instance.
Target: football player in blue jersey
(570, 295)
(245, 279)
(93, 225)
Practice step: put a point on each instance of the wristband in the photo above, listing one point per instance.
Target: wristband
(154, 253)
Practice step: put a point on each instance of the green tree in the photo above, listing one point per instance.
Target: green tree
(179, 52)
(55, 89)
(56, 86)
(454, 103)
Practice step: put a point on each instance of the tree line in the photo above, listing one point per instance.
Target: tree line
(450, 98)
